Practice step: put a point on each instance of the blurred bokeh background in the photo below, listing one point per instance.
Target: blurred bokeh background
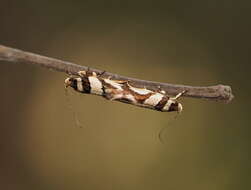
(185, 42)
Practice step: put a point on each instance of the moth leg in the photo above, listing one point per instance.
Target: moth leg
(109, 77)
(94, 74)
(90, 73)
(116, 97)
(161, 91)
(81, 73)
(69, 73)
(123, 81)
(127, 83)
(101, 73)
(87, 73)
(118, 81)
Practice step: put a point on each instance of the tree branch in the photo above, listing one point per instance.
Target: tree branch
(217, 92)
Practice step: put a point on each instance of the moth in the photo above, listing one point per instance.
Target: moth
(90, 82)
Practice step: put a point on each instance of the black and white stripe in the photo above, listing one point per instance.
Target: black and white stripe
(93, 83)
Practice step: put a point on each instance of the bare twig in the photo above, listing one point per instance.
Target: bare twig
(217, 92)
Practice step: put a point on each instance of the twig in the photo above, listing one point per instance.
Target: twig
(217, 92)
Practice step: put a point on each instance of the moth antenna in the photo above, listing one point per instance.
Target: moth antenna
(160, 134)
(70, 107)
(162, 130)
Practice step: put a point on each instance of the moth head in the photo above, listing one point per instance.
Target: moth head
(71, 81)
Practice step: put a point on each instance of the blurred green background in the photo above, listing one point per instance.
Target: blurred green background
(186, 42)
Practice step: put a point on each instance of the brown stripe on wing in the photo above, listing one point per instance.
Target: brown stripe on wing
(161, 103)
(85, 82)
(140, 98)
(106, 85)
(103, 85)
(86, 85)
(174, 107)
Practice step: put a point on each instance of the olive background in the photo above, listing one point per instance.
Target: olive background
(193, 42)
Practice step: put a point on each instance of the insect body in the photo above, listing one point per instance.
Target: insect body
(92, 83)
